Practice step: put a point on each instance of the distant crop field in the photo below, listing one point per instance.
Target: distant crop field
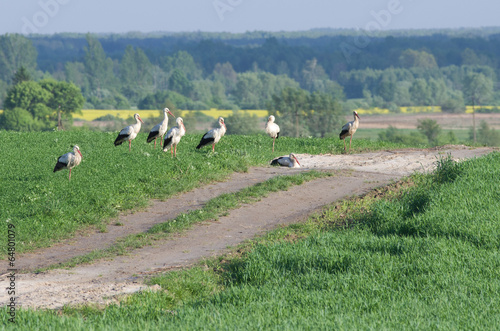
(92, 114)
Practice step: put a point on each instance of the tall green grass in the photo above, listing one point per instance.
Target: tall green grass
(425, 258)
(46, 207)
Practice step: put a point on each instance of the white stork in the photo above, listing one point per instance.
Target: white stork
(272, 129)
(130, 132)
(173, 136)
(349, 129)
(69, 160)
(159, 129)
(213, 136)
(286, 161)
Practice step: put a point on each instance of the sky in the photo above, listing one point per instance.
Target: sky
(238, 16)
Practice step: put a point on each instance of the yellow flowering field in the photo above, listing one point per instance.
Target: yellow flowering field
(468, 109)
(92, 114)
(372, 111)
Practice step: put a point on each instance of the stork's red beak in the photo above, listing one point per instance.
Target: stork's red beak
(170, 113)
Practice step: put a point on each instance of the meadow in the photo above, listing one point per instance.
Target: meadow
(45, 207)
(420, 254)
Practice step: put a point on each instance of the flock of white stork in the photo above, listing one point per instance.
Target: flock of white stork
(171, 138)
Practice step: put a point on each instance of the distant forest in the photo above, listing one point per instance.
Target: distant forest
(244, 71)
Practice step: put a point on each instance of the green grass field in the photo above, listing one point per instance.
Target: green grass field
(45, 207)
(421, 255)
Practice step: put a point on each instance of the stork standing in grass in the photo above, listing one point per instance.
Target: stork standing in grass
(349, 129)
(159, 129)
(130, 132)
(286, 161)
(272, 129)
(69, 160)
(213, 136)
(173, 137)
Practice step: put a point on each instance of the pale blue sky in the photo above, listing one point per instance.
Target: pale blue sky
(53, 16)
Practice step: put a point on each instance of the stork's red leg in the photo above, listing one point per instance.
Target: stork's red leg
(213, 147)
(175, 153)
(129, 144)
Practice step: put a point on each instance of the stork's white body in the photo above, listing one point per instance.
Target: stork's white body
(69, 160)
(130, 132)
(159, 129)
(286, 161)
(173, 136)
(272, 129)
(349, 129)
(213, 136)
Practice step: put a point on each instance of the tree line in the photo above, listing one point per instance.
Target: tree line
(258, 71)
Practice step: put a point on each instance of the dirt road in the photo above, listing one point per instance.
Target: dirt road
(99, 282)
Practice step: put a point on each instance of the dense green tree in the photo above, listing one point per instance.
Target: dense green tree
(18, 119)
(225, 74)
(65, 99)
(241, 123)
(255, 89)
(98, 67)
(179, 83)
(21, 75)
(324, 116)
(421, 93)
(27, 95)
(16, 51)
(291, 107)
(184, 62)
(312, 75)
(135, 74)
(32, 98)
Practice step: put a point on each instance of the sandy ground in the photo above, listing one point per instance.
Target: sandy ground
(104, 281)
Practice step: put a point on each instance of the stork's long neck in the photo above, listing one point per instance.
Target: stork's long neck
(356, 121)
(137, 125)
(223, 128)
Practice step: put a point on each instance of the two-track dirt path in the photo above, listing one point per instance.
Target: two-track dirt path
(100, 281)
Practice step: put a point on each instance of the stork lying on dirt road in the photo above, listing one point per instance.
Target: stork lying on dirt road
(213, 136)
(349, 129)
(286, 161)
(130, 132)
(69, 160)
(159, 129)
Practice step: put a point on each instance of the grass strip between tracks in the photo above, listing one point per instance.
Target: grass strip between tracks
(212, 210)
